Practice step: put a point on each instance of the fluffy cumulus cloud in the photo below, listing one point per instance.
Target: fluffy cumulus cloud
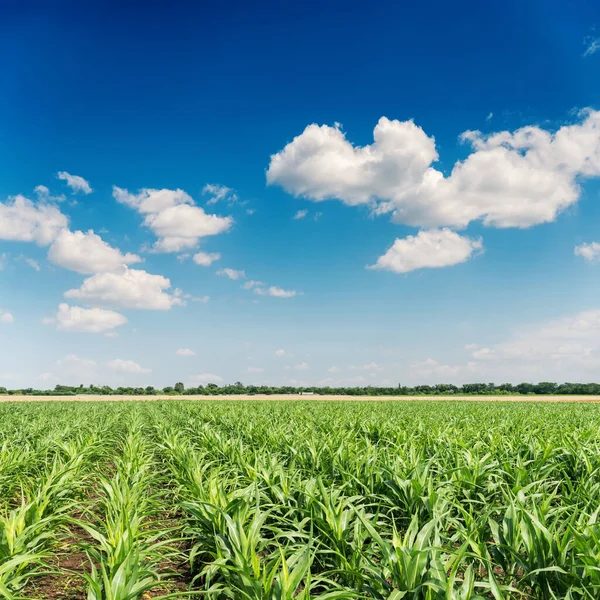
(75, 182)
(509, 179)
(127, 288)
(87, 253)
(185, 352)
(205, 259)
(87, 320)
(590, 252)
(127, 366)
(22, 220)
(173, 217)
(428, 249)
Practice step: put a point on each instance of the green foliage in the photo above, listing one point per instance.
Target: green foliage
(543, 388)
(303, 500)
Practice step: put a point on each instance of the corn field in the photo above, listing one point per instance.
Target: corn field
(299, 500)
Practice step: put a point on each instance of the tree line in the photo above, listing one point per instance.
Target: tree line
(441, 389)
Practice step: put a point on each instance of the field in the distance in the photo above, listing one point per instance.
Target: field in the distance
(318, 397)
(299, 500)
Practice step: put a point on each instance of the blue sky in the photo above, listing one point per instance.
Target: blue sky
(189, 137)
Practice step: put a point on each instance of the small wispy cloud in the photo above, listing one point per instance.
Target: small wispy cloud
(218, 192)
(301, 214)
(592, 45)
(275, 291)
(75, 182)
(232, 273)
(185, 352)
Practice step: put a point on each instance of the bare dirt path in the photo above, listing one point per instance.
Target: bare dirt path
(316, 398)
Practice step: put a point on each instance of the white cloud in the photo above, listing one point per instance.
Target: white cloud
(203, 379)
(334, 370)
(218, 193)
(127, 366)
(275, 291)
(75, 182)
(372, 366)
(590, 252)
(185, 352)
(301, 214)
(6, 317)
(32, 263)
(48, 378)
(128, 288)
(173, 217)
(112, 334)
(89, 320)
(250, 211)
(87, 253)
(232, 273)
(41, 190)
(182, 226)
(564, 349)
(433, 248)
(43, 194)
(510, 179)
(431, 368)
(251, 284)
(205, 259)
(471, 346)
(22, 220)
(73, 368)
(592, 45)
(148, 201)
(490, 116)
(255, 370)
(303, 366)
(575, 338)
(201, 299)
(73, 361)
(280, 352)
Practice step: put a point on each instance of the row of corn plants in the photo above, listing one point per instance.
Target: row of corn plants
(44, 493)
(129, 537)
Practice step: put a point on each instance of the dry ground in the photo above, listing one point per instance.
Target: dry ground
(89, 398)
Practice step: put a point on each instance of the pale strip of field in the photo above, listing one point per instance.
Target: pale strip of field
(288, 397)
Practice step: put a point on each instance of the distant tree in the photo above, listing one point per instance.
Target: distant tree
(179, 387)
